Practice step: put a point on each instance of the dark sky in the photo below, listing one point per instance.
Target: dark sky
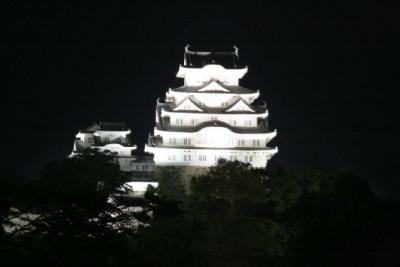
(328, 71)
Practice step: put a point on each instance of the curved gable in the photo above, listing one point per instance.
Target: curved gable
(187, 104)
(240, 105)
(213, 87)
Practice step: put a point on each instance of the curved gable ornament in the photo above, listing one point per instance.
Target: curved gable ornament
(214, 87)
(187, 104)
(240, 105)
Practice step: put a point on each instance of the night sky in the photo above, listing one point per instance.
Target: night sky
(328, 72)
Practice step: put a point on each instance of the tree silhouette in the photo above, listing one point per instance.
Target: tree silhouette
(74, 217)
(232, 215)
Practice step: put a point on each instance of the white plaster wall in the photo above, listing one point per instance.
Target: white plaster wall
(214, 137)
(111, 135)
(195, 157)
(185, 120)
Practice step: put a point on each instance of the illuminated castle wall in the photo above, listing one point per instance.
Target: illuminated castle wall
(114, 139)
(211, 116)
(108, 138)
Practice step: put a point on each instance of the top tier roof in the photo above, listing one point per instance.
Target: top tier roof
(199, 59)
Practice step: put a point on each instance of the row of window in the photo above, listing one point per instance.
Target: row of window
(188, 142)
(180, 122)
(90, 140)
(171, 157)
(247, 123)
(256, 142)
(248, 158)
(187, 157)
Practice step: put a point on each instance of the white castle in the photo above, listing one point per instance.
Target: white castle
(109, 138)
(211, 116)
(114, 139)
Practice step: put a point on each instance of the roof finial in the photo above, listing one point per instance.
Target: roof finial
(187, 48)
(236, 50)
(184, 56)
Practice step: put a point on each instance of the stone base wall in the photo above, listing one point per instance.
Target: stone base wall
(174, 181)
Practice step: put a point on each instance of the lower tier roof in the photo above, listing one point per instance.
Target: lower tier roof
(262, 128)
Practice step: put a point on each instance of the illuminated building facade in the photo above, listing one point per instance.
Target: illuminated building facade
(114, 139)
(109, 138)
(211, 116)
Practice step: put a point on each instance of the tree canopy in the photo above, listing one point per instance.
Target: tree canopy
(66, 212)
(233, 215)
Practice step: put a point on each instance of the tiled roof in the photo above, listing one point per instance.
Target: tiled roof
(231, 88)
(105, 126)
(263, 128)
(170, 106)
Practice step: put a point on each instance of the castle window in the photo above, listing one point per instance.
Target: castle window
(247, 123)
(248, 158)
(179, 121)
(172, 141)
(202, 158)
(187, 141)
(256, 142)
(241, 143)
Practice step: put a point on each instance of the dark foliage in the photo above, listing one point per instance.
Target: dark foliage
(233, 216)
(69, 218)
(238, 216)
